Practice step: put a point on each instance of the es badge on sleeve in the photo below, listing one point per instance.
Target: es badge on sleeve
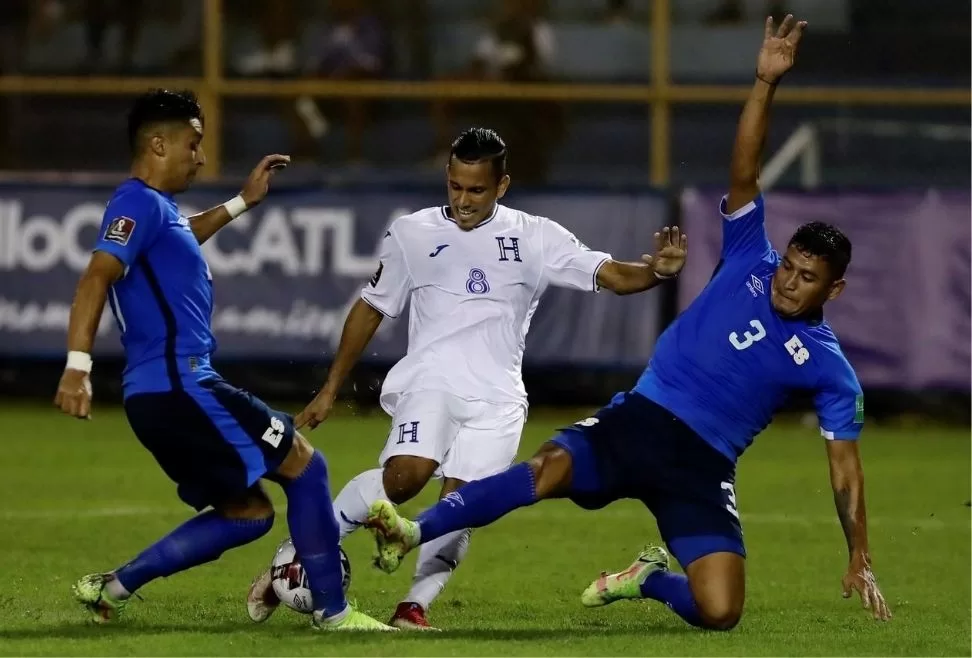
(120, 230)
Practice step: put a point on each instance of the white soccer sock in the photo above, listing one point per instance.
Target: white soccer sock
(436, 562)
(352, 503)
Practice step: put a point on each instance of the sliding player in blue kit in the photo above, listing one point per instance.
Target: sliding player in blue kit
(216, 442)
(755, 334)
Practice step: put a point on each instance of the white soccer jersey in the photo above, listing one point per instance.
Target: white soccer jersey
(473, 294)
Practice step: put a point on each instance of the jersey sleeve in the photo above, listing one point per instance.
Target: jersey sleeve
(129, 226)
(840, 404)
(567, 261)
(388, 289)
(744, 231)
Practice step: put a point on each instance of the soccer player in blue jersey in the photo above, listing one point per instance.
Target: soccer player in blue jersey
(216, 442)
(754, 334)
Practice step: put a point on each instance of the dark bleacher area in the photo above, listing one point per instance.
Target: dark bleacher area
(853, 42)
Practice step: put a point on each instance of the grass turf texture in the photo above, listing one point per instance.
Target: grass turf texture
(84, 496)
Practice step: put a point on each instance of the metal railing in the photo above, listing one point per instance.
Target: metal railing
(660, 93)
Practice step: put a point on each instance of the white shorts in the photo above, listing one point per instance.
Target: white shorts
(469, 439)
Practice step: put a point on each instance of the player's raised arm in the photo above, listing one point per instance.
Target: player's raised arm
(626, 278)
(775, 58)
(569, 263)
(205, 224)
(384, 295)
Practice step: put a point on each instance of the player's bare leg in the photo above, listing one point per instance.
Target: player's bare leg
(548, 474)
(401, 479)
(718, 584)
(437, 561)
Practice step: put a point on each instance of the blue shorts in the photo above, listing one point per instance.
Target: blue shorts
(213, 440)
(634, 448)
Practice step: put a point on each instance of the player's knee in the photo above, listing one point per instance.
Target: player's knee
(404, 477)
(254, 505)
(552, 467)
(720, 610)
(718, 585)
(720, 615)
(297, 459)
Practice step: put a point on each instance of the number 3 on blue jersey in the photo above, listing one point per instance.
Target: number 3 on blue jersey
(748, 338)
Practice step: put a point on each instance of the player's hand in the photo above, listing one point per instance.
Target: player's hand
(859, 578)
(258, 182)
(315, 413)
(779, 49)
(74, 393)
(670, 250)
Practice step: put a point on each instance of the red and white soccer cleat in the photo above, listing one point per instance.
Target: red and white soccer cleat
(411, 617)
(261, 600)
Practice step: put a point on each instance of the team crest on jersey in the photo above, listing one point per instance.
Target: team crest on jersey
(755, 285)
(120, 230)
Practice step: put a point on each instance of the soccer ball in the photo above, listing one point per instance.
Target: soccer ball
(289, 581)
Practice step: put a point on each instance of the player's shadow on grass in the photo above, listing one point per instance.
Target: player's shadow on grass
(83, 631)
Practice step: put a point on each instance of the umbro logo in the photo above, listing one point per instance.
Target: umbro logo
(755, 285)
(437, 250)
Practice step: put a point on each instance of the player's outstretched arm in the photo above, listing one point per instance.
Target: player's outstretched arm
(74, 390)
(775, 58)
(206, 224)
(359, 328)
(847, 480)
(626, 278)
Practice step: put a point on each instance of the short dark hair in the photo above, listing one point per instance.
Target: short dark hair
(827, 242)
(480, 145)
(160, 106)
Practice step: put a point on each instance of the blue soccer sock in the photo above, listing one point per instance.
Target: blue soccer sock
(199, 540)
(673, 590)
(479, 503)
(314, 531)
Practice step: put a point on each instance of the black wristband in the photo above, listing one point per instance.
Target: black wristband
(771, 84)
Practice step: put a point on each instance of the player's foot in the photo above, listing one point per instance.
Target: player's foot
(90, 591)
(411, 617)
(353, 621)
(261, 600)
(395, 535)
(626, 584)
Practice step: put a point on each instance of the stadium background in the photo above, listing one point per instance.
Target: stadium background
(620, 119)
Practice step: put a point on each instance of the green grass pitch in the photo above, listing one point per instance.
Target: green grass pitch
(80, 497)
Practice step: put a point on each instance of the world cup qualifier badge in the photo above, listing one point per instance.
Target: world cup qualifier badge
(377, 275)
(120, 230)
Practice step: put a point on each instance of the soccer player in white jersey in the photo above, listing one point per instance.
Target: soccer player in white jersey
(474, 271)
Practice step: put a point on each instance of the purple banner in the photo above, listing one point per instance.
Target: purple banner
(286, 273)
(904, 318)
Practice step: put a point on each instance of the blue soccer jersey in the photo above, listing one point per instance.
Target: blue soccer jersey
(164, 301)
(729, 361)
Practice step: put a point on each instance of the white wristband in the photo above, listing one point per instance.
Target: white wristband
(79, 361)
(235, 206)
